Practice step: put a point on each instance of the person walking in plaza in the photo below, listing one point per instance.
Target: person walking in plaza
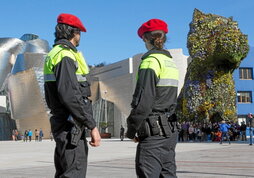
(121, 133)
(36, 135)
(224, 128)
(250, 120)
(51, 136)
(191, 132)
(152, 117)
(243, 128)
(40, 135)
(14, 134)
(25, 135)
(66, 92)
(30, 134)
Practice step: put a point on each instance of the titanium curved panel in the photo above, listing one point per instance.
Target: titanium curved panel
(19, 65)
(28, 60)
(37, 46)
(34, 60)
(31, 60)
(25, 96)
(5, 65)
(12, 45)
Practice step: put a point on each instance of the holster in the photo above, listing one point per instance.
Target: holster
(154, 125)
(76, 131)
(166, 125)
(157, 124)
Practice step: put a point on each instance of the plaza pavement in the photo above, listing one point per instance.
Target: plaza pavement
(115, 159)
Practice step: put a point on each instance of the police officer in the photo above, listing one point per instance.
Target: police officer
(152, 120)
(66, 93)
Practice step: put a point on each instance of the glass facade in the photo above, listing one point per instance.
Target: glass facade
(103, 112)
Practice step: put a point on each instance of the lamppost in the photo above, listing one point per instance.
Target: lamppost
(106, 109)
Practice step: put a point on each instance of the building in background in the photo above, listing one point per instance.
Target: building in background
(244, 85)
(112, 88)
(22, 102)
(22, 105)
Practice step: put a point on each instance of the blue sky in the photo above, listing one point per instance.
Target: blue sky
(112, 24)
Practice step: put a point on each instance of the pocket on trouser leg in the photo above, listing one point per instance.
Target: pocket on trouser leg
(81, 153)
(168, 157)
(76, 161)
(70, 155)
(168, 163)
(68, 161)
(147, 164)
(139, 160)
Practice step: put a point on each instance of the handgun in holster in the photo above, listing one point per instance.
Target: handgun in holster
(76, 131)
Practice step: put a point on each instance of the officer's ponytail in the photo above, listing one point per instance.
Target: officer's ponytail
(156, 38)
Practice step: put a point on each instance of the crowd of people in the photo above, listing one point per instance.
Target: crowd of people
(28, 135)
(190, 132)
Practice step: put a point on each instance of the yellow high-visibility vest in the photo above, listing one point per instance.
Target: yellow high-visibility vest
(56, 55)
(164, 68)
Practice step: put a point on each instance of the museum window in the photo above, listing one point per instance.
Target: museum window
(244, 96)
(245, 73)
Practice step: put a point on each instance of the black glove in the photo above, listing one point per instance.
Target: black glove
(131, 131)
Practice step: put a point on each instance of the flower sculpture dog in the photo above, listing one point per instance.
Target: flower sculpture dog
(217, 47)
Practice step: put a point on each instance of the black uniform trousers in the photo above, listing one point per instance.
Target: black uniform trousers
(70, 161)
(155, 157)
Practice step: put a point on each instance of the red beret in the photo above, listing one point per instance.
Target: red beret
(152, 25)
(71, 20)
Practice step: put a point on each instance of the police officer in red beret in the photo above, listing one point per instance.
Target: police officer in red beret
(152, 121)
(66, 92)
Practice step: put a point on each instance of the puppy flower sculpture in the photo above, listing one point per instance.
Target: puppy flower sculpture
(217, 47)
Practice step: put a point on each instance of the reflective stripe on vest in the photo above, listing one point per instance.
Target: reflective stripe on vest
(55, 56)
(81, 78)
(51, 77)
(164, 68)
(168, 82)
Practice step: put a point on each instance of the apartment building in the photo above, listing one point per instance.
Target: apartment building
(244, 85)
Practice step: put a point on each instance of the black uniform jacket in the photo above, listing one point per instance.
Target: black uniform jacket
(148, 98)
(67, 96)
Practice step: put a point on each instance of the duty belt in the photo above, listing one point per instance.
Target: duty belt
(157, 124)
